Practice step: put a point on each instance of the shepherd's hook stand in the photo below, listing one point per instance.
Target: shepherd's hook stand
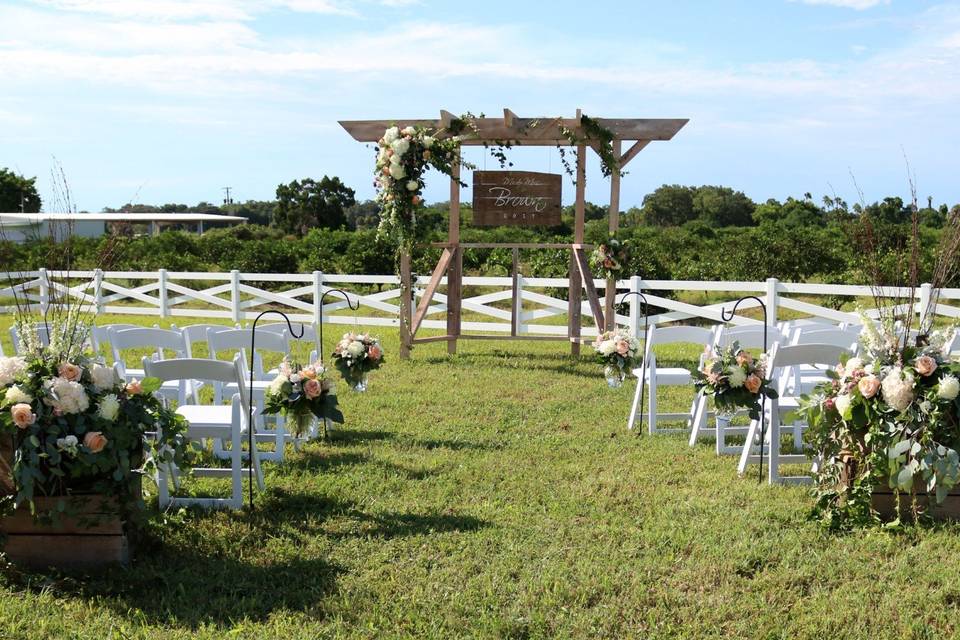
(350, 304)
(727, 316)
(643, 362)
(253, 345)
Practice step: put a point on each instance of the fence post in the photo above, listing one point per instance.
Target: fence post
(235, 295)
(317, 294)
(164, 312)
(44, 292)
(518, 306)
(636, 307)
(772, 300)
(98, 290)
(926, 297)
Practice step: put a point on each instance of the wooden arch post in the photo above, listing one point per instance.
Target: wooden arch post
(513, 130)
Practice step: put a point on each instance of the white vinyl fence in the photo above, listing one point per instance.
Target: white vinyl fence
(241, 296)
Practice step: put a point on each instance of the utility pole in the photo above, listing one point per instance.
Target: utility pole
(227, 200)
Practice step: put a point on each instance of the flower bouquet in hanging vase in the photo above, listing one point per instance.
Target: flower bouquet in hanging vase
(355, 356)
(610, 258)
(735, 379)
(302, 395)
(617, 352)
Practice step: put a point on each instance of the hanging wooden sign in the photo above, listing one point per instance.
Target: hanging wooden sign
(518, 198)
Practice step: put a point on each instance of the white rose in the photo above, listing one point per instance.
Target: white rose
(854, 364)
(103, 377)
(737, 376)
(897, 389)
(295, 378)
(356, 349)
(843, 403)
(408, 131)
(948, 388)
(16, 395)
(276, 387)
(427, 142)
(391, 134)
(71, 441)
(400, 146)
(109, 407)
(10, 368)
(413, 185)
(398, 172)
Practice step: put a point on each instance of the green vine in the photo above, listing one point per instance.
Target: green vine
(597, 136)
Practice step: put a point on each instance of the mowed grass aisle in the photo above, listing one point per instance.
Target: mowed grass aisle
(497, 494)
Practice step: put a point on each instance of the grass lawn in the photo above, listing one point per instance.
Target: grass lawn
(497, 494)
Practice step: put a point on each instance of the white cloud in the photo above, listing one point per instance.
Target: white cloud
(859, 5)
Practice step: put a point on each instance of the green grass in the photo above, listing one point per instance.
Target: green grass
(496, 494)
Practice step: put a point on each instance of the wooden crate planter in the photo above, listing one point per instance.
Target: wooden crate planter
(885, 503)
(71, 544)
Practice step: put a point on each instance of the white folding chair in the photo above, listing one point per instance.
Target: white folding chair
(100, 334)
(655, 377)
(194, 333)
(166, 342)
(748, 337)
(237, 341)
(951, 348)
(218, 422)
(310, 334)
(39, 328)
(782, 359)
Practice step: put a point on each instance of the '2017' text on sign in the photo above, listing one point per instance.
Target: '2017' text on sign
(523, 198)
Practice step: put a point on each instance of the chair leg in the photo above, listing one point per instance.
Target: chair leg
(699, 417)
(632, 420)
(722, 423)
(748, 447)
(652, 410)
(236, 470)
(773, 468)
(163, 489)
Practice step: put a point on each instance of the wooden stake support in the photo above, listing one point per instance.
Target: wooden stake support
(515, 130)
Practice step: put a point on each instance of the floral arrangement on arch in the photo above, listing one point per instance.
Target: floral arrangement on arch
(302, 394)
(735, 379)
(618, 351)
(891, 417)
(611, 258)
(70, 426)
(356, 355)
(403, 155)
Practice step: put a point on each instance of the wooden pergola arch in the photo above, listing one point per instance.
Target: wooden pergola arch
(514, 130)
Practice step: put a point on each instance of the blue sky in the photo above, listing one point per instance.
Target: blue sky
(157, 101)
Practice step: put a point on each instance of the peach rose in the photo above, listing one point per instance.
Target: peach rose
(70, 371)
(308, 373)
(134, 387)
(753, 383)
(312, 389)
(374, 352)
(869, 386)
(744, 358)
(23, 415)
(623, 348)
(95, 441)
(925, 365)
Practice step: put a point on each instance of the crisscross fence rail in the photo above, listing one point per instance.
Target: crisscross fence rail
(491, 306)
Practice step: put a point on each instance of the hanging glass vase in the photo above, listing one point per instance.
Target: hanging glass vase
(614, 376)
(359, 383)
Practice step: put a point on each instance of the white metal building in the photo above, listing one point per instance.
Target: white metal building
(20, 227)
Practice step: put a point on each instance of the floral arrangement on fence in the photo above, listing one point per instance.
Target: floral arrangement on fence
(355, 356)
(70, 426)
(618, 352)
(891, 417)
(610, 258)
(735, 379)
(302, 394)
(403, 155)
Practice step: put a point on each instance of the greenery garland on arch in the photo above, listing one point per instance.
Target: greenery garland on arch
(404, 155)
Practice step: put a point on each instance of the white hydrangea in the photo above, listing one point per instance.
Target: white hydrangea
(413, 185)
(10, 368)
(897, 388)
(356, 349)
(397, 172)
(854, 364)
(66, 396)
(949, 387)
(842, 403)
(408, 131)
(391, 134)
(16, 395)
(427, 142)
(400, 146)
(607, 347)
(737, 376)
(276, 387)
(103, 377)
(109, 407)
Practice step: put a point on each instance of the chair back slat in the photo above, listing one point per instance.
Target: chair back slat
(750, 336)
(203, 369)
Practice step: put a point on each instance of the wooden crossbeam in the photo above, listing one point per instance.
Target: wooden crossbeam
(632, 152)
(587, 277)
(431, 289)
(509, 117)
